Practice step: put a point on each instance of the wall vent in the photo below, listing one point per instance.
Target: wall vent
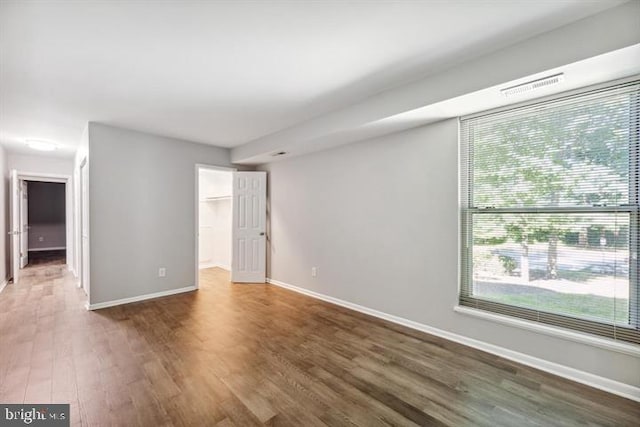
(533, 85)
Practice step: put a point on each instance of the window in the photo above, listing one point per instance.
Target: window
(550, 212)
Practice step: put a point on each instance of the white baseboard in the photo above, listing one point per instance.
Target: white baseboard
(3, 284)
(53, 248)
(113, 303)
(214, 265)
(611, 386)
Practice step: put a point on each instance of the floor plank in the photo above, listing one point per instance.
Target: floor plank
(238, 355)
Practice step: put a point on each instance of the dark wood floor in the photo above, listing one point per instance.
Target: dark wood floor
(255, 354)
(42, 258)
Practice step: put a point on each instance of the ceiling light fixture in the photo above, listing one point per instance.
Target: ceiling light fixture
(533, 85)
(41, 145)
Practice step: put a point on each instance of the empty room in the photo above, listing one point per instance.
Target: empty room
(320, 213)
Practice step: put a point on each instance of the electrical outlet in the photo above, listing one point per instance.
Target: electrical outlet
(162, 272)
(40, 239)
(314, 271)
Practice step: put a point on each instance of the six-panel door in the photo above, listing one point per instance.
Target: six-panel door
(249, 227)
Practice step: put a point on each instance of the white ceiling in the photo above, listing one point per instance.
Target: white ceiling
(226, 73)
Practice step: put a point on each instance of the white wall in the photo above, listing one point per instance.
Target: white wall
(53, 166)
(214, 183)
(142, 211)
(40, 164)
(214, 241)
(4, 217)
(380, 220)
(215, 234)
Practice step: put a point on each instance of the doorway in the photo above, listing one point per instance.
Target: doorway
(214, 213)
(43, 214)
(40, 222)
(231, 223)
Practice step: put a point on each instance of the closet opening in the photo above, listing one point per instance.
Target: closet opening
(213, 221)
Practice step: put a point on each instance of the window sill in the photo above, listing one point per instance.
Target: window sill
(608, 344)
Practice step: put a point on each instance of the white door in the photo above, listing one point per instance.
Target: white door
(14, 210)
(84, 226)
(249, 247)
(24, 224)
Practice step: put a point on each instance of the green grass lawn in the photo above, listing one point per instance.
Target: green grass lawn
(588, 306)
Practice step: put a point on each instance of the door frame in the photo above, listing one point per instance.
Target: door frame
(68, 207)
(80, 202)
(23, 209)
(198, 167)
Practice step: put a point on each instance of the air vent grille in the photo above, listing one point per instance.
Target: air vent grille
(533, 85)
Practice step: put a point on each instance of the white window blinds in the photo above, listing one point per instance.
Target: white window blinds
(550, 213)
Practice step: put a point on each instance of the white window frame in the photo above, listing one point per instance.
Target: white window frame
(524, 321)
